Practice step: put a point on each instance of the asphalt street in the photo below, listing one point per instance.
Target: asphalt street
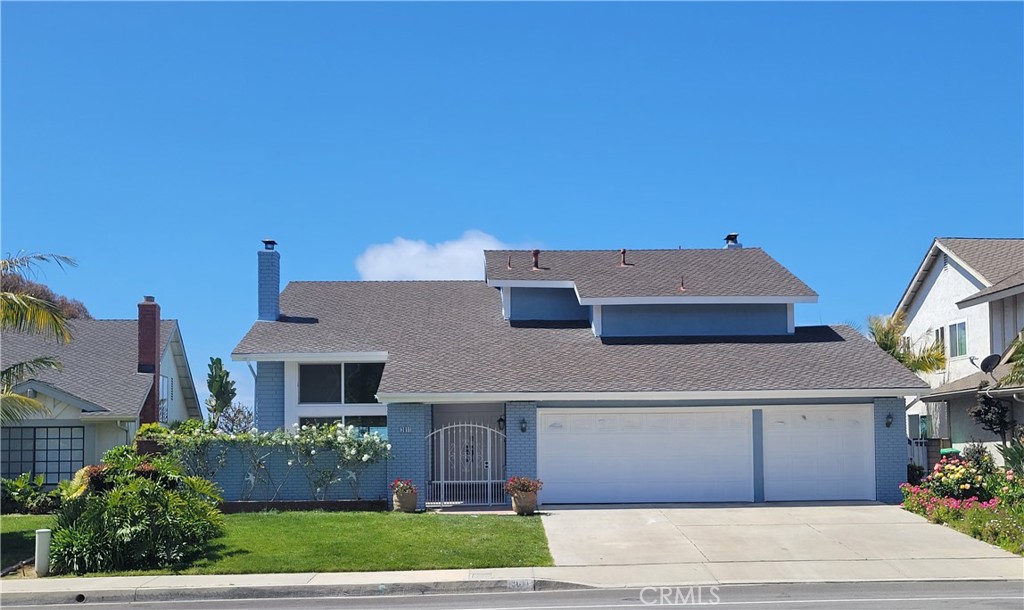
(855, 596)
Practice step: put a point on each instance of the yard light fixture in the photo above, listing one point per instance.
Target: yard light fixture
(888, 421)
(522, 425)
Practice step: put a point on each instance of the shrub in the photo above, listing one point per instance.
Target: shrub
(151, 432)
(133, 512)
(915, 473)
(26, 494)
(1013, 453)
(959, 478)
(977, 454)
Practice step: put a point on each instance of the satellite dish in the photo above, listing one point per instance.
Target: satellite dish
(990, 363)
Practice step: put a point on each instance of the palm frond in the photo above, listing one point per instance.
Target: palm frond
(1015, 377)
(15, 408)
(25, 313)
(26, 262)
(19, 371)
(888, 333)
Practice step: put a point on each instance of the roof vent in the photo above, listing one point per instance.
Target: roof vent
(732, 240)
(536, 260)
(622, 259)
(269, 244)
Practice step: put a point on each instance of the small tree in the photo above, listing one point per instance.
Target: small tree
(992, 414)
(222, 391)
(236, 419)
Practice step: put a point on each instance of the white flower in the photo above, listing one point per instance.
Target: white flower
(388, 446)
(366, 457)
(312, 451)
(295, 425)
(302, 428)
(291, 462)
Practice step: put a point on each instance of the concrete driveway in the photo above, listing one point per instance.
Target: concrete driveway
(786, 542)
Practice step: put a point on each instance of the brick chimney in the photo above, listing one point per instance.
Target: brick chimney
(269, 281)
(149, 356)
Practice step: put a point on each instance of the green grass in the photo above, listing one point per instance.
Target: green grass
(275, 542)
(18, 536)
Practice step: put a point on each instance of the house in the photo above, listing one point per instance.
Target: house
(613, 376)
(114, 375)
(967, 293)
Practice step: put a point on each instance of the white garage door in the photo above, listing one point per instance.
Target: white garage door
(628, 455)
(819, 453)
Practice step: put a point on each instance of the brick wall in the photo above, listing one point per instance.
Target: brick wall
(269, 285)
(269, 396)
(408, 426)
(276, 480)
(520, 447)
(890, 450)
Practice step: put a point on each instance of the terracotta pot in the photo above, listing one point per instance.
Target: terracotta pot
(404, 502)
(524, 502)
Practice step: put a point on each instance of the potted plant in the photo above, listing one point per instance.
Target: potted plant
(523, 491)
(404, 495)
(149, 439)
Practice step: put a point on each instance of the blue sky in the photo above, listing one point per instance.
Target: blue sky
(158, 143)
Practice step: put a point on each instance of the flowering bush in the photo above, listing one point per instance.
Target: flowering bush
(403, 486)
(925, 502)
(959, 478)
(517, 485)
(325, 454)
(1008, 487)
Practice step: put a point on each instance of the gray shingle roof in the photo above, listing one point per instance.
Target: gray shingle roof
(654, 273)
(968, 386)
(451, 337)
(995, 259)
(1014, 280)
(99, 365)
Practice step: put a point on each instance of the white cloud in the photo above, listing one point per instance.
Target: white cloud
(407, 259)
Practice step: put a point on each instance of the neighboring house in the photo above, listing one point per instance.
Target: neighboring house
(968, 293)
(613, 376)
(115, 374)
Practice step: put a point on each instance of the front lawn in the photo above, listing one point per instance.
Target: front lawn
(275, 542)
(18, 536)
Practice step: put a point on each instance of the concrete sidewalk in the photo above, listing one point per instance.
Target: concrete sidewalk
(120, 589)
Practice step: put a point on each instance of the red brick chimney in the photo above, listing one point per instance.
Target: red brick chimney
(149, 356)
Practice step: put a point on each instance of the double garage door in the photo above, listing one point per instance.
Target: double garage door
(706, 455)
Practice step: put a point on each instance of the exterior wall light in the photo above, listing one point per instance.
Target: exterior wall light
(888, 420)
(501, 423)
(522, 425)
(30, 393)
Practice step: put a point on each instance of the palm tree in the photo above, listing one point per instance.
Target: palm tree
(21, 312)
(887, 332)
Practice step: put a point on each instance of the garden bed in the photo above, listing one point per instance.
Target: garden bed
(252, 506)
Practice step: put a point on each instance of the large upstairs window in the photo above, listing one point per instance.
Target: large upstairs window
(349, 383)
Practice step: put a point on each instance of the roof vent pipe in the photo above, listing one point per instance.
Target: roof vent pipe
(622, 257)
(732, 241)
(536, 260)
(509, 261)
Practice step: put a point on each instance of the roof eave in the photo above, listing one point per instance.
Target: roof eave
(925, 267)
(469, 397)
(992, 296)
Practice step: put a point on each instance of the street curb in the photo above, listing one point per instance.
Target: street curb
(153, 594)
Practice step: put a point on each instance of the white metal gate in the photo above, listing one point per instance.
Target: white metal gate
(467, 466)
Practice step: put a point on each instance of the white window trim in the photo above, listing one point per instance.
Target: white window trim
(293, 409)
(949, 342)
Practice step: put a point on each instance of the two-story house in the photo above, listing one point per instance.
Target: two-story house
(613, 376)
(114, 376)
(968, 294)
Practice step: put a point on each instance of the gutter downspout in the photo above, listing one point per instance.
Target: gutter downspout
(127, 431)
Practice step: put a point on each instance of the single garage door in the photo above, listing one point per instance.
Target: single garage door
(629, 455)
(819, 453)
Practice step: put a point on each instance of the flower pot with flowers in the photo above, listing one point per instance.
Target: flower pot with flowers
(404, 495)
(523, 491)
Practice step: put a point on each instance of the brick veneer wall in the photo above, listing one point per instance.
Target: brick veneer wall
(890, 450)
(408, 426)
(520, 447)
(269, 396)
